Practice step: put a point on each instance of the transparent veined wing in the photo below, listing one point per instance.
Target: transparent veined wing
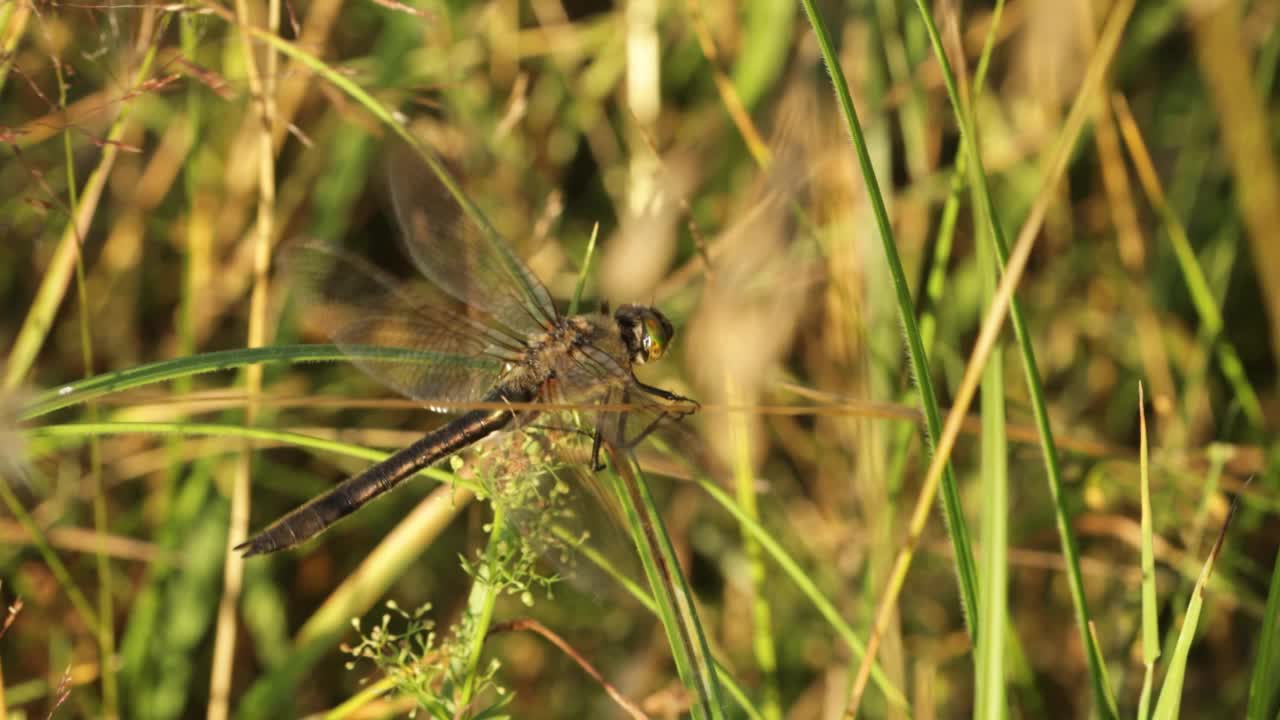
(471, 263)
(449, 354)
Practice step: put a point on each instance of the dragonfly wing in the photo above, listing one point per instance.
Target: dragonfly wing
(423, 369)
(451, 248)
(405, 335)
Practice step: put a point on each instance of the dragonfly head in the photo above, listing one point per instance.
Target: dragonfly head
(645, 331)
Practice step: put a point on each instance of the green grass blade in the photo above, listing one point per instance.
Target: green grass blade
(761, 614)
(1150, 615)
(1103, 696)
(1171, 692)
(1262, 684)
(993, 571)
(965, 567)
(1193, 275)
(806, 586)
(576, 302)
(675, 601)
(56, 566)
(165, 370)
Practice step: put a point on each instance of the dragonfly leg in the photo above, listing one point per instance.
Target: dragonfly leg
(667, 395)
(596, 440)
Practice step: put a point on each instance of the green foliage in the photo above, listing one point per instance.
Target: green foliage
(835, 264)
(420, 665)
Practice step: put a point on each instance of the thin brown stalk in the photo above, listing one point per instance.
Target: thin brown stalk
(82, 540)
(1202, 296)
(263, 89)
(62, 693)
(728, 94)
(10, 616)
(1132, 250)
(531, 625)
(1223, 53)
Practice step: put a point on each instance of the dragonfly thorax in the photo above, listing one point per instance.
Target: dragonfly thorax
(546, 351)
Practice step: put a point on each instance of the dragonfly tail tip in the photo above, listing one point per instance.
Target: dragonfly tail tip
(249, 548)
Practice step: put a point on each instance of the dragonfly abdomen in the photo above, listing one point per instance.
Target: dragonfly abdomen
(312, 518)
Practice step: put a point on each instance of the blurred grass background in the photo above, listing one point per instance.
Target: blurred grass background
(701, 135)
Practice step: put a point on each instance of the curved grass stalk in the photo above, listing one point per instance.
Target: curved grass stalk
(56, 566)
(165, 370)
(645, 599)
(689, 648)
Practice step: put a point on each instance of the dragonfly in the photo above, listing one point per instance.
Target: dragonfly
(481, 330)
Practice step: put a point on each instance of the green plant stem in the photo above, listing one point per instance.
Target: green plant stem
(936, 279)
(1150, 618)
(761, 616)
(106, 629)
(1262, 688)
(481, 602)
(59, 570)
(679, 617)
(805, 584)
(989, 667)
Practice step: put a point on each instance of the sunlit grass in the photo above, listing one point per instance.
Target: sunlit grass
(823, 255)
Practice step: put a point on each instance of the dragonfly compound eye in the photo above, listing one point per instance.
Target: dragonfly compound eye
(656, 337)
(645, 331)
